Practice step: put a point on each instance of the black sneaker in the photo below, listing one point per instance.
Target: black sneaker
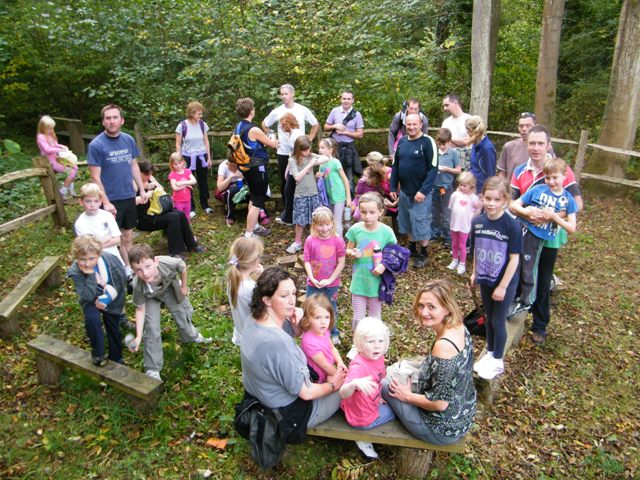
(420, 261)
(100, 361)
(199, 249)
(262, 231)
(518, 307)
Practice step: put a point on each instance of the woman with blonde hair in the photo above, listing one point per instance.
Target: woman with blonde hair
(439, 407)
(483, 153)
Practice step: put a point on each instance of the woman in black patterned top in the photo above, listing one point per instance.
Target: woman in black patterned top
(439, 407)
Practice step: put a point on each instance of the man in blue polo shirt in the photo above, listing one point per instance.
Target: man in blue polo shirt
(112, 165)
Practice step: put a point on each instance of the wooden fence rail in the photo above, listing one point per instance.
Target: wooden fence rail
(48, 182)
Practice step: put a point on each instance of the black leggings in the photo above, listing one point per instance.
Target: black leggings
(202, 177)
(176, 225)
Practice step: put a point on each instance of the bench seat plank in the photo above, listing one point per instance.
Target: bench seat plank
(119, 376)
(391, 433)
(27, 285)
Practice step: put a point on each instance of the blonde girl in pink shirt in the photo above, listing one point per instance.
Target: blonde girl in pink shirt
(464, 204)
(49, 147)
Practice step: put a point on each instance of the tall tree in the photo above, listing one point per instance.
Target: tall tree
(480, 58)
(547, 77)
(620, 120)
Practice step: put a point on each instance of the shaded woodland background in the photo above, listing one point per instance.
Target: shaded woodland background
(153, 56)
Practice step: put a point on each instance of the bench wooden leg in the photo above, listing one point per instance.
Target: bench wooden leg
(142, 405)
(412, 463)
(54, 279)
(49, 373)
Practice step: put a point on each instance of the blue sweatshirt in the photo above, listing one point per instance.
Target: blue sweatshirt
(415, 166)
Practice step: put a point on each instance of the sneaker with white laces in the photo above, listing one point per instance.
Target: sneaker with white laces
(478, 365)
(454, 263)
(295, 247)
(192, 214)
(201, 339)
(461, 269)
(155, 374)
(491, 369)
(262, 231)
(367, 449)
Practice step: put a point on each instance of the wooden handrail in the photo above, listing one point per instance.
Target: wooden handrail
(27, 173)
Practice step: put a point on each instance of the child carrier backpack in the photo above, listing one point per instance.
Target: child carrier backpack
(237, 152)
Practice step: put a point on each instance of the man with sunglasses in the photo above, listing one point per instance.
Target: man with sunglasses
(514, 152)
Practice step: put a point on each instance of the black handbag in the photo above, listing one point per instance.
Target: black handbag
(260, 425)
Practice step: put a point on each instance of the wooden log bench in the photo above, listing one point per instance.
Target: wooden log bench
(46, 272)
(413, 457)
(53, 355)
(515, 330)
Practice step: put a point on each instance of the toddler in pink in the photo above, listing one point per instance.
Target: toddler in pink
(464, 204)
(49, 147)
(323, 357)
(182, 181)
(362, 404)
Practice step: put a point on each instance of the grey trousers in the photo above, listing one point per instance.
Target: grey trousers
(324, 408)
(409, 416)
(181, 313)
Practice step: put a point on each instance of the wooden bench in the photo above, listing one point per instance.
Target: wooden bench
(515, 331)
(52, 355)
(414, 456)
(46, 272)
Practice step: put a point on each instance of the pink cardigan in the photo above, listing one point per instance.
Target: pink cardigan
(49, 147)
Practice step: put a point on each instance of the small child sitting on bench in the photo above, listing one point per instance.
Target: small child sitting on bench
(100, 282)
(362, 403)
(159, 279)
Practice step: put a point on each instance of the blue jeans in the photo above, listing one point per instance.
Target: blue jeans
(441, 214)
(385, 414)
(332, 294)
(93, 327)
(414, 218)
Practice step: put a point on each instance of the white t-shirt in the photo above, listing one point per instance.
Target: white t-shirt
(193, 141)
(456, 125)
(302, 114)
(241, 313)
(223, 170)
(101, 225)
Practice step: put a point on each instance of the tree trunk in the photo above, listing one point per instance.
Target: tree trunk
(620, 120)
(547, 78)
(480, 58)
(496, 9)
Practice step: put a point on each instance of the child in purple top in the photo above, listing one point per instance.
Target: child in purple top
(372, 180)
(324, 258)
(322, 356)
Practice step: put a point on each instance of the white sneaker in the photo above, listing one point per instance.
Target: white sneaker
(208, 210)
(453, 264)
(201, 339)
(491, 369)
(478, 364)
(192, 214)
(461, 269)
(153, 374)
(295, 247)
(335, 339)
(367, 449)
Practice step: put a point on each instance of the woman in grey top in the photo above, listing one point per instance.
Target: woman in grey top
(440, 407)
(274, 369)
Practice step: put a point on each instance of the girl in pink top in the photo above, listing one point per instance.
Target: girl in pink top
(324, 258)
(322, 356)
(49, 147)
(362, 404)
(182, 181)
(464, 204)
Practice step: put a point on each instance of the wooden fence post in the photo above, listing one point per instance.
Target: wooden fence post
(51, 192)
(140, 140)
(582, 150)
(76, 131)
